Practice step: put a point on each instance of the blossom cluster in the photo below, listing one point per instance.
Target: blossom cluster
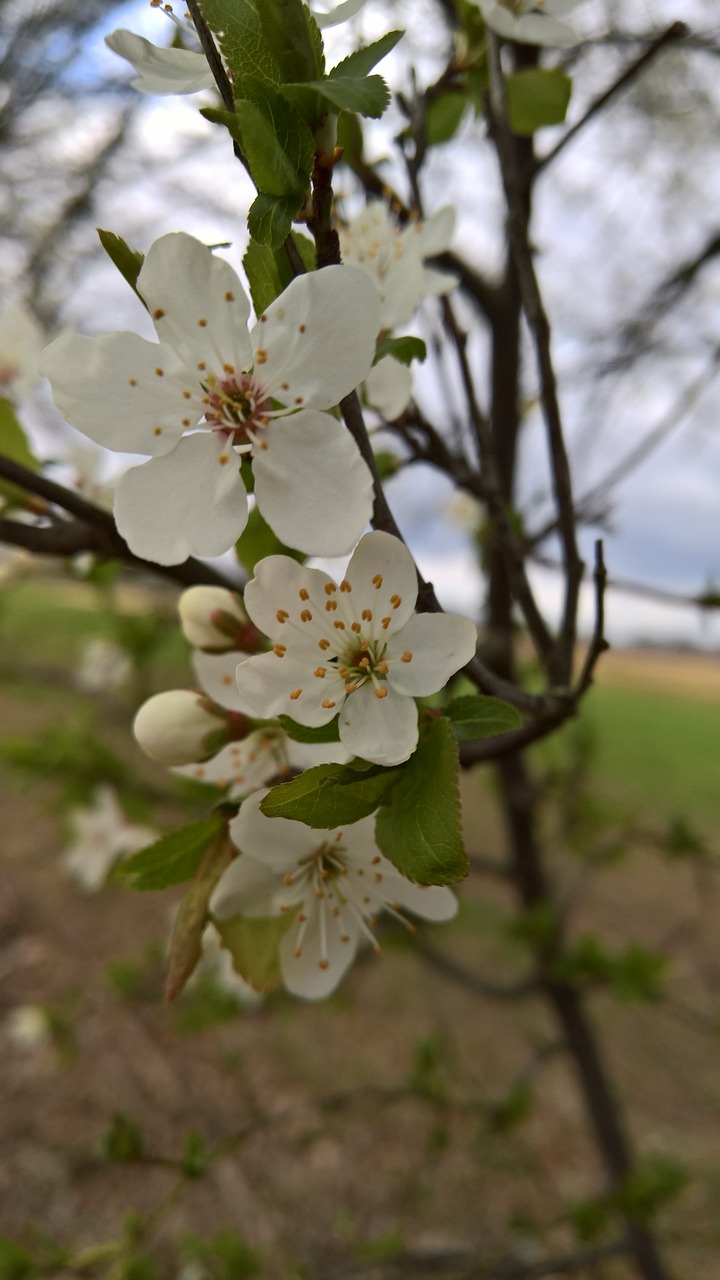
(222, 408)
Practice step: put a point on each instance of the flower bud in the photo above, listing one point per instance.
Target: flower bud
(215, 620)
(181, 727)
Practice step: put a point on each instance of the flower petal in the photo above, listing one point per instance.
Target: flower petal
(318, 969)
(430, 903)
(383, 579)
(312, 485)
(216, 675)
(188, 503)
(383, 730)
(317, 340)
(275, 686)
(339, 13)
(437, 232)
(161, 70)
(246, 888)
(121, 391)
(277, 843)
(439, 645)
(388, 388)
(277, 587)
(198, 305)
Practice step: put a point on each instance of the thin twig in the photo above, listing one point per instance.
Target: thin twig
(676, 32)
(449, 968)
(540, 330)
(598, 643)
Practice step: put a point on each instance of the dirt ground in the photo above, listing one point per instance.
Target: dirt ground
(360, 1125)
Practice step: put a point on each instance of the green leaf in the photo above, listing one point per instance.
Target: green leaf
(14, 445)
(419, 828)
(404, 349)
(300, 732)
(128, 261)
(363, 60)
(15, 1262)
(331, 795)
(237, 27)
(124, 1140)
(388, 464)
(258, 541)
(654, 1182)
(253, 943)
(537, 97)
(350, 138)
(195, 1158)
(173, 859)
(271, 217)
(186, 942)
(291, 40)
(367, 95)
(277, 145)
(476, 716)
(269, 272)
(443, 116)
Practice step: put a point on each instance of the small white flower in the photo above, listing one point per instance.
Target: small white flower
(21, 342)
(531, 21)
(101, 836)
(208, 390)
(354, 647)
(393, 257)
(102, 666)
(335, 883)
(27, 1028)
(214, 619)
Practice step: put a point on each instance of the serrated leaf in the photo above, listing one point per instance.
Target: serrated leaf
(331, 795)
(277, 145)
(289, 37)
(476, 716)
(404, 349)
(269, 272)
(271, 217)
(258, 541)
(363, 60)
(301, 733)
(173, 859)
(238, 30)
(253, 943)
(186, 943)
(128, 261)
(537, 97)
(367, 95)
(420, 827)
(14, 445)
(443, 116)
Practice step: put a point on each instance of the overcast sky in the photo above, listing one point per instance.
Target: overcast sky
(637, 193)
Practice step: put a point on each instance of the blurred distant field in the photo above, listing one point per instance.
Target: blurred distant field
(401, 1113)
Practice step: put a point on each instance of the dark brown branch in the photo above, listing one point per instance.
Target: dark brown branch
(676, 32)
(94, 530)
(598, 643)
(540, 330)
(449, 968)
(508, 541)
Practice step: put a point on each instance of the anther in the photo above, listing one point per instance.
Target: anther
(331, 605)
(304, 594)
(158, 314)
(386, 623)
(396, 601)
(229, 297)
(330, 588)
(160, 373)
(356, 628)
(328, 703)
(406, 656)
(377, 581)
(324, 645)
(202, 322)
(295, 694)
(282, 615)
(345, 585)
(380, 692)
(279, 650)
(339, 626)
(367, 615)
(306, 616)
(320, 672)
(133, 382)
(187, 395)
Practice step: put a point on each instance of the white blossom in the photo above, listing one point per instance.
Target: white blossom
(103, 665)
(208, 390)
(21, 342)
(531, 21)
(101, 836)
(333, 883)
(27, 1028)
(393, 257)
(355, 648)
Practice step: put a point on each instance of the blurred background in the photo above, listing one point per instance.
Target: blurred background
(423, 1111)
